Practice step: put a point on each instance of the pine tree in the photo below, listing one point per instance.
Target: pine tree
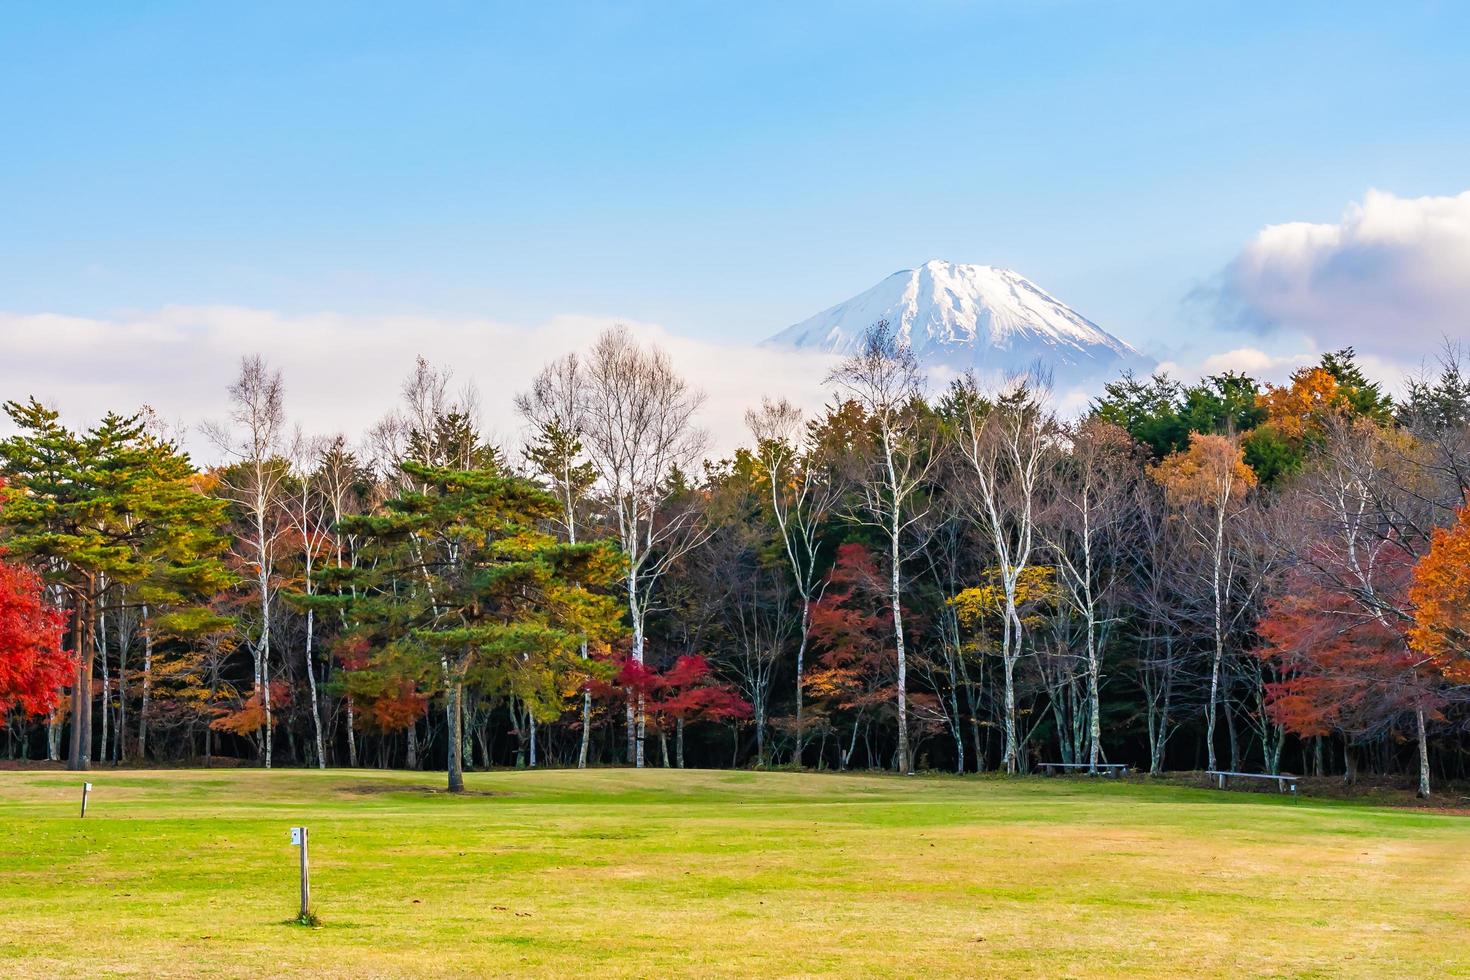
(461, 588)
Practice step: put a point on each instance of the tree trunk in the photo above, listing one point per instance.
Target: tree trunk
(1009, 655)
(806, 626)
(905, 764)
(351, 736)
(632, 756)
(1423, 753)
(99, 639)
(586, 740)
(263, 648)
(637, 724)
(1094, 695)
(81, 709)
(679, 741)
(316, 714)
(147, 687)
(456, 737)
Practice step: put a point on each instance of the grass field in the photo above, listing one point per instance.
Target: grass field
(655, 873)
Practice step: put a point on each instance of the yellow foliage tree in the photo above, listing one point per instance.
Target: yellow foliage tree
(1036, 588)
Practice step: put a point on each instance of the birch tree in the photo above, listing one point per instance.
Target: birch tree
(1207, 484)
(883, 378)
(638, 424)
(1082, 529)
(308, 513)
(803, 496)
(253, 441)
(1005, 446)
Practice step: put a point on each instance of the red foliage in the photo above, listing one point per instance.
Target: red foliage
(1345, 669)
(688, 690)
(354, 651)
(853, 627)
(396, 709)
(33, 667)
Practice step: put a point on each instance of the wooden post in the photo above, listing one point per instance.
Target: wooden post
(300, 838)
(1222, 780)
(86, 788)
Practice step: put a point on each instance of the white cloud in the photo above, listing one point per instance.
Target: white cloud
(342, 373)
(1243, 360)
(1392, 277)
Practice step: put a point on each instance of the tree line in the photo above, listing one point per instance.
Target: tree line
(1225, 574)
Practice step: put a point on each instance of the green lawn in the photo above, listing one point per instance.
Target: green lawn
(652, 873)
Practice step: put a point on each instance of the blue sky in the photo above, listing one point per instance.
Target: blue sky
(723, 169)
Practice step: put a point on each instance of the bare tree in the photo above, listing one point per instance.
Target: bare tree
(1082, 529)
(1007, 445)
(252, 440)
(803, 496)
(1166, 621)
(638, 423)
(308, 513)
(884, 379)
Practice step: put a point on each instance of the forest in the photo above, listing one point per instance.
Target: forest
(1226, 574)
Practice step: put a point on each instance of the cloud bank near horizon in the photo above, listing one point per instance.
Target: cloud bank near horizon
(1391, 277)
(343, 373)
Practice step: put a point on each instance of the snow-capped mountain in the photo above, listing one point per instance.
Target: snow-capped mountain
(963, 317)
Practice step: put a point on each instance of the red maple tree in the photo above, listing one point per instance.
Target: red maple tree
(1345, 668)
(33, 667)
(687, 691)
(853, 627)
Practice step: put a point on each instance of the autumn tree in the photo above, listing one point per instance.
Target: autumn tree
(1208, 484)
(687, 692)
(889, 470)
(1085, 533)
(1345, 668)
(111, 507)
(1440, 597)
(33, 667)
(254, 482)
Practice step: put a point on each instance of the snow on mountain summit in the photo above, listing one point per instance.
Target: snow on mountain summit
(965, 317)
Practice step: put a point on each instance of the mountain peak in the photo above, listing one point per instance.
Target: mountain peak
(964, 317)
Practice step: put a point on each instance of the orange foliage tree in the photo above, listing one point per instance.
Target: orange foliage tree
(1303, 407)
(1206, 486)
(1440, 599)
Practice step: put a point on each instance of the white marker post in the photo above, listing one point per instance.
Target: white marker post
(86, 788)
(299, 839)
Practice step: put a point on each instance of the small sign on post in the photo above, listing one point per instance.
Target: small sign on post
(299, 839)
(86, 788)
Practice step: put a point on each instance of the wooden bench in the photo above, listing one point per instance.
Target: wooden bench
(1113, 769)
(1283, 781)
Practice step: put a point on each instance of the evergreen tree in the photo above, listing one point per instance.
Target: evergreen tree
(462, 588)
